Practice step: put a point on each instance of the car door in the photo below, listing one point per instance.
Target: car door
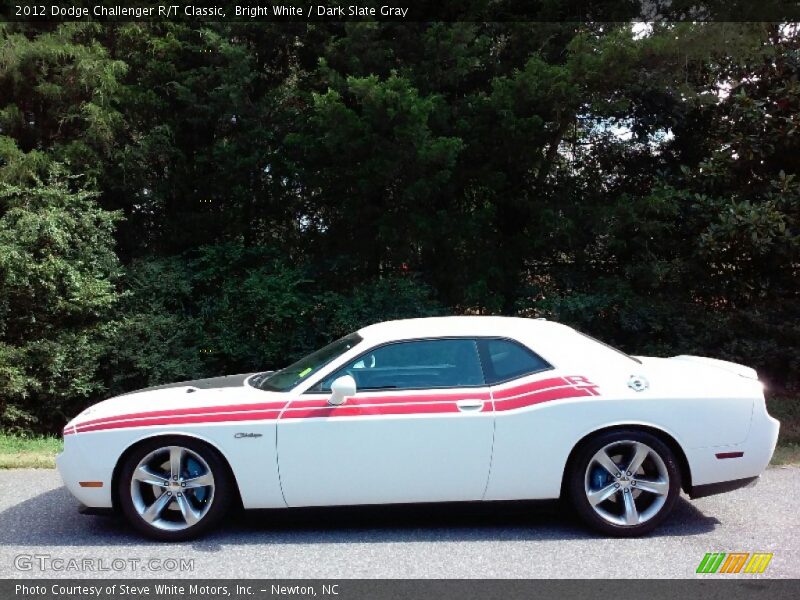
(418, 429)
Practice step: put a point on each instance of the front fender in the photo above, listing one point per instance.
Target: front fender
(97, 455)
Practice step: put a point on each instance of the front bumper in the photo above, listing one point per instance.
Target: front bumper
(74, 467)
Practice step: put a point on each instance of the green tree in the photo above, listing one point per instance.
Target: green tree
(59, 92)
(57, 271)
(282, 184)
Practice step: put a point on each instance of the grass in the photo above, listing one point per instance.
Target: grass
(28, 451)
(787, 411)
(39, 452)
(786, 454)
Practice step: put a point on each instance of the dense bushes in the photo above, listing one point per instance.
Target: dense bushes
(219, 309)
(767, 340)
(232, 309)
(182, 200)
(57, 295)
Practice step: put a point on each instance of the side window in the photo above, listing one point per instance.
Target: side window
(510, 360)
(414, 365)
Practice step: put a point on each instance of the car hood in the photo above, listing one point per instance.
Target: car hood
(229, 390)
(200, 384)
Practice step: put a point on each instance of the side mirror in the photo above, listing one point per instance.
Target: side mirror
(341, 388)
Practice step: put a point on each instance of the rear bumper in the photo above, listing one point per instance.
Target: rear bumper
(710, 489)
(718, 469)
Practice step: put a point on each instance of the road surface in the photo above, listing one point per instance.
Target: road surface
(39, 518)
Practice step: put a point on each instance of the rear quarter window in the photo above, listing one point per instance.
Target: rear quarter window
(505, 360)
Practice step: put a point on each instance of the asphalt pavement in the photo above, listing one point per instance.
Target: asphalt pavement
(43, 535)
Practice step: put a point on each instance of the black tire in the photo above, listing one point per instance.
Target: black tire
(221, 498)
(581, 481)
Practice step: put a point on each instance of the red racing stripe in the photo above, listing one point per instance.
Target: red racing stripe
(394, 399)
(356, 410)
(435, 397)
(262, 415)
(190, 411)
(531, 387)
(555, 388)
(539, 397)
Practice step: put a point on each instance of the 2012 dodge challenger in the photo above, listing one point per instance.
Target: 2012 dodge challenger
(429, 410)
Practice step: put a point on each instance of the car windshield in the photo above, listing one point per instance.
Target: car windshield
(286, 379)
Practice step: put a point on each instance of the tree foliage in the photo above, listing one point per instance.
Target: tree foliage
(57, 295)
(282, 185)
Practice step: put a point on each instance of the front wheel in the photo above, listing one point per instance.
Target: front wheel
(174, 489)
(624, 483)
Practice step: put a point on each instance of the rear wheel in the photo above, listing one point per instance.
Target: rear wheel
(174, 489)
(624, 483)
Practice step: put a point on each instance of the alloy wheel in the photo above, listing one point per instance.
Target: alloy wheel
(626, 483)
(172, 488)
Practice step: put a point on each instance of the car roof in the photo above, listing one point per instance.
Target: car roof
(459, 326)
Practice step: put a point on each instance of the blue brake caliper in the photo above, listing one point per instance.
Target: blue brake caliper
(599, 478)
(195, 469)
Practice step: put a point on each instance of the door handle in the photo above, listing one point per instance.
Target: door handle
(470, 405)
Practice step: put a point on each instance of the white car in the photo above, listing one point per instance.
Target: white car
(429, 410)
